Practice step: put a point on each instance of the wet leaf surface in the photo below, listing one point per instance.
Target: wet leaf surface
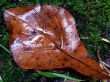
(45, 37)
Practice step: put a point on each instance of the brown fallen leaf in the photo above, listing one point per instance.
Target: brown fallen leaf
(45, 37)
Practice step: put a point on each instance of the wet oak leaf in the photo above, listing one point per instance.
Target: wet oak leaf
(45, 37)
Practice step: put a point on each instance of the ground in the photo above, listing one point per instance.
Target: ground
(93, 22)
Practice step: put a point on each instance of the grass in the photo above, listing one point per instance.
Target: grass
(92, 18)
(54, 75)
(5, 48)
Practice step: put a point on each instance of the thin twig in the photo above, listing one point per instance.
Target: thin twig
(98, 55)
(105, 40)
(102, 64)
(106, 64)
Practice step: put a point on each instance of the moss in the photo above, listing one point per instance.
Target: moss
(92, 18)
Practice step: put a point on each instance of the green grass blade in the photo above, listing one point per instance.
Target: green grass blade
(4, 48)
(46, 74)
(50, 74)
(65, 76)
